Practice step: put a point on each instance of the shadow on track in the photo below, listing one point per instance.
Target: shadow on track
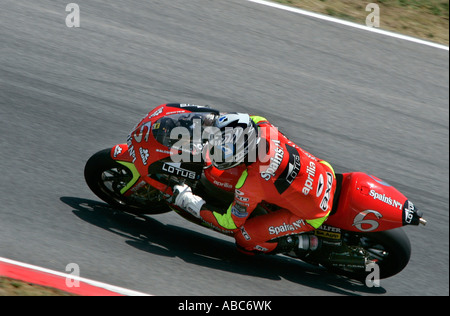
(148, 234)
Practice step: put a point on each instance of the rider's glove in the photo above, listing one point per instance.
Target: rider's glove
(188, 201)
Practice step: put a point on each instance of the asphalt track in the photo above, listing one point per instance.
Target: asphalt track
(363, 101)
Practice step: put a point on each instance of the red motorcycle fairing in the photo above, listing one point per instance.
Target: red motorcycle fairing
(150, 142)
(120, 153)
(146, 145)
(368, 204)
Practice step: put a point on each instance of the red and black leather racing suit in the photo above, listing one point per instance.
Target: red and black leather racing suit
(300, 185)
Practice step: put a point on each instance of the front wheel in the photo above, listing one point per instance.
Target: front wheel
(389, 250)
(108, 179)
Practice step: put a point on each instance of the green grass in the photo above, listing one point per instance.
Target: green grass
(427, 19)
(11, 287)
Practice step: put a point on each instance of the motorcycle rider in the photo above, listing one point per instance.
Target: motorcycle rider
(300, 185)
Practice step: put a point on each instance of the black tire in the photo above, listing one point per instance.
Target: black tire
(94, 174)
(390, 249)
(398, 247)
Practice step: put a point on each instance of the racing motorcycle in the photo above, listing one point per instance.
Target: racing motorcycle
(362, 229)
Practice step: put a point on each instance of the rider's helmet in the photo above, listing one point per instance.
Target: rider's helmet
(234, 141)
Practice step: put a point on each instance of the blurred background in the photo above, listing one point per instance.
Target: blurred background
(360, 100)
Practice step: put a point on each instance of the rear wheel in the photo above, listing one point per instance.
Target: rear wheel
(108, 179)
